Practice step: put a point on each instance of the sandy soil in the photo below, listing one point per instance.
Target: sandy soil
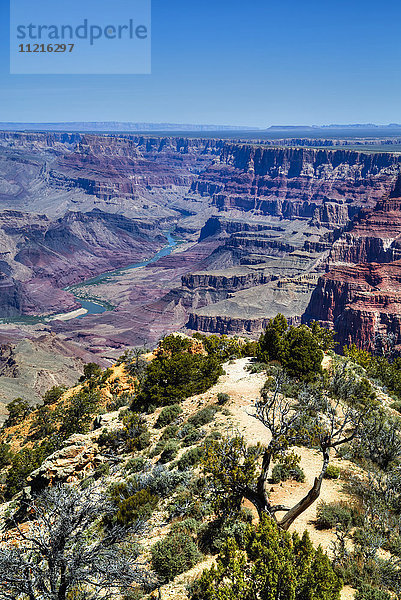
(70, 315)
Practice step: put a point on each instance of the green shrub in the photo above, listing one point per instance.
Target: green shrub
(120, 400)
(113, 440)
(272, 565)
(298, 349)
(87, 483)
(137, 464)
(142, 441)
(158, 449)
(337, 513)
(185, 504)
(176, 374)
(170, 432)
(43, 423)
(5, 455)
(18, 410)
(170, 451)
(191, 435)
(91, 371)
(54, 394)
(202, 417)
(396, 406)
(137, 431)
(138, 506)
(332, 472)
(256, 367)
(301, 356)
(102, 471)
(168, 415)
(173, 555)
(213, 435)
(226, 348)
(282, 473)
(27, 460)
(188, 526)
(367, 592)
(190, 458)
(79, 413)
(288, 468)
(213, 535)
(222, 398)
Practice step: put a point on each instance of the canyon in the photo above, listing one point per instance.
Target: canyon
(360, 297)
(313, 233)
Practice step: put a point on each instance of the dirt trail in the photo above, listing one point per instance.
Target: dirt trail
(244, 389)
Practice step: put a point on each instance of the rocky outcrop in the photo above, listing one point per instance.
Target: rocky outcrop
(294, 182)
(374, 237)
(220, 226)
(358, 302)
(66, 465)
(228, 283)
(230, 325)
(360, 296)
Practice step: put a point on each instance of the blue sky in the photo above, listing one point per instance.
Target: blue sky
(253, 63)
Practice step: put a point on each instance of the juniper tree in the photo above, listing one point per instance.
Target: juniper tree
(60, 552)
(235, 471)
(272, 565)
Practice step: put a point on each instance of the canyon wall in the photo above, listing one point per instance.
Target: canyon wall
(360, 296)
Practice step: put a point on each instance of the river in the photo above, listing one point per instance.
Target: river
(93, 306)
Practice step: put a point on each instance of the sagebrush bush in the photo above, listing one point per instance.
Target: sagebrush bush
(190, 458)
(170, 451)
(173, 555)
(202, 417)
(137, 464)
(336, 513)
(138, 506)
(168, 415)
(281, 472)
(190, 435)
(170, 432)
(332, 472)
(222, 398)
(161, 481)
